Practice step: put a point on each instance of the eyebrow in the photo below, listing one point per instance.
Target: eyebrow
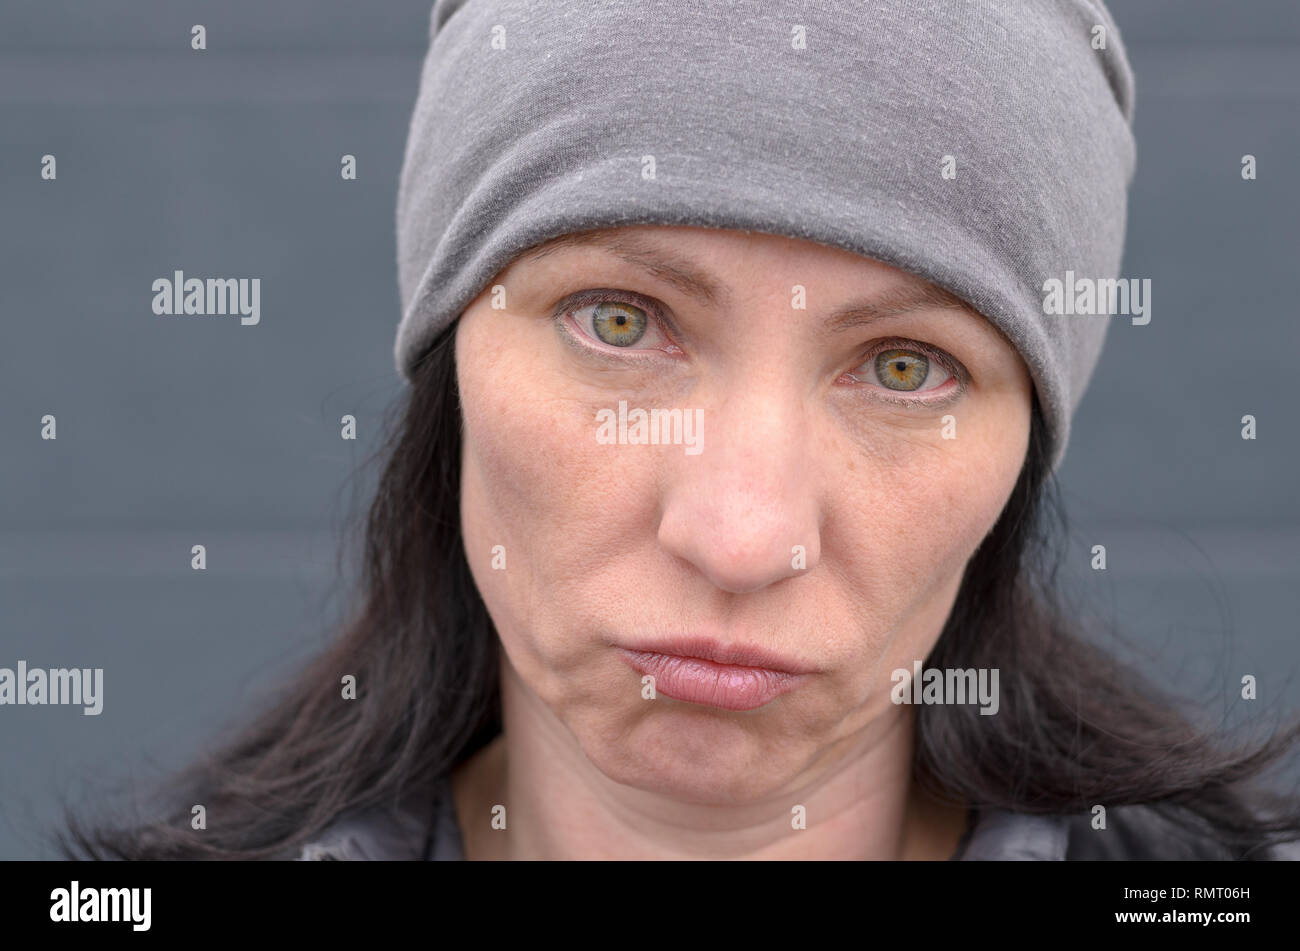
(668, 267)
(913, 293)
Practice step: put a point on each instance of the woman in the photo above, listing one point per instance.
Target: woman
(733, 414)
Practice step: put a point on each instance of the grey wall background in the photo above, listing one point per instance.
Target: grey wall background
(226, 163)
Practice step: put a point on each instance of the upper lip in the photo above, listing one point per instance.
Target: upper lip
(739, 655)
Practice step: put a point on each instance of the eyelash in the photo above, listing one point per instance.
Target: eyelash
(956, 371)
(600, 295)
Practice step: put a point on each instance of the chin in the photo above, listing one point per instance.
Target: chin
(690, 753)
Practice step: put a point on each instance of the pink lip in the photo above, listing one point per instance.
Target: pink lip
(699, 670)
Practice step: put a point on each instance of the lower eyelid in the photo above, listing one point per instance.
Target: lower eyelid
(949, 396)
(882, 393)
(575, 336)
(591, 344)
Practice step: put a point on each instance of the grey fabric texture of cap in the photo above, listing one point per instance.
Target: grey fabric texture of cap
(827, 121)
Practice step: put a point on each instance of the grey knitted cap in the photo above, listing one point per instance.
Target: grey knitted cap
(823, 120)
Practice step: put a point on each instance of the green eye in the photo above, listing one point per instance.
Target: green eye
(618, 324)
(901, 369)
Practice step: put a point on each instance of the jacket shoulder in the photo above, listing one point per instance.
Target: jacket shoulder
(379, 833)
(422, 827)
(1151, 833)
(369, 835)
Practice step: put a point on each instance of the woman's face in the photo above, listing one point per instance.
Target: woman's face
(849, 435)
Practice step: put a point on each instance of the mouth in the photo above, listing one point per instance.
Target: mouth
(705, 672)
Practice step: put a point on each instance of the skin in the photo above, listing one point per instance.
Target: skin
(607, 543)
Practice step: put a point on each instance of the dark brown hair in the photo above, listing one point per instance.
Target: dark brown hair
(1074, 727)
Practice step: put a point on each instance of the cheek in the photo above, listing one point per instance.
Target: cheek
(917, 512)
(535, 481)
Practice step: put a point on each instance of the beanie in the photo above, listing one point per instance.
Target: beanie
(984, 145)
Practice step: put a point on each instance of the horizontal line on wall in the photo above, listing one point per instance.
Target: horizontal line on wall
(156, 554)
(1204, 72)
(1160, 550)
(1215, 73)
(253, 78)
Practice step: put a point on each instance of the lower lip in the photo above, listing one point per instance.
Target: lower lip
(725, 686)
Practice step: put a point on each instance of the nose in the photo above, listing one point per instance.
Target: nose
(744, 511)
